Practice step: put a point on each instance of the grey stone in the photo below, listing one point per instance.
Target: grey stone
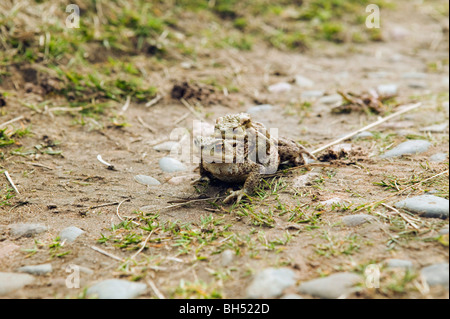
(417, 85)
(165, 146)
(331, 287)
(280, 87)
(362, 135)
(27, 230)
(356, 220)
(146, 180)
(378, 75)
(436, 274)
(116, 289)
(313, 94)
(291, 296)
(331, 99)
(399, 263)
(414, 75)
(438, 128)
(226, 257)
(259, 108)
(443, 231)
(302, 81)
(170, 165)
(270, 283)
(426, 206)
(36, 269)
(438, 157)
(408, 147)
(10, 282)
(387, 89)
(69, 234)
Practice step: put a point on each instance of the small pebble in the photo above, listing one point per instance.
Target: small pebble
(36, 269)
(312, 94)
(426, 206)
(302, 81)
(398, 263)
(165, 146)
(417, 85)
(280, 87)
(170, 165)
(387, 89)
(438, 157)
(408, 147)
(414, 75)
(10, 282)
(270, 283)
(438, 128)
(378, 75)
(333, 201)
(27, 230)
(331, 287)
(331, 99)
(259, 108)
(436, 274)
(362, 135)
(356, 220)
(69, 234)
(292, 296)
(146, 180)
(226, 257)
(116, 289)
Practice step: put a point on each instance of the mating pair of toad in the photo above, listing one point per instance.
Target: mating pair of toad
(241, 150)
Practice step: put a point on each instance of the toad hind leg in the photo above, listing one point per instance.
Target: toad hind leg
(249, 186)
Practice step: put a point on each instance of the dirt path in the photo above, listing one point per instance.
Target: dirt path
(289, 228)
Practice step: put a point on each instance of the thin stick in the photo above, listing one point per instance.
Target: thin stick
(101, 251)
(381, 120)
(126, 105)
(11, 182)
(154, 101)
(191, 109)
(12, 121)
(147, 126)
(405, 218)
(402, 191)
(155, 290)
(39, 165)
(118, 215)
(143, 246)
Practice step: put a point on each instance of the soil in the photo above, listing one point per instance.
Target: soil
(61, 189)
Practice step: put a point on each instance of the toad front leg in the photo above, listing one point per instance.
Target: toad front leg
(249, 186)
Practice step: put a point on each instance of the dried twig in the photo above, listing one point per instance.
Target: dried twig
(191, 109)
(405, 218)
(381, 120)
(12, 121)
(101, 251)
(11, 182)
(154, 101)
(117, 211)
(155, 289)
(142, 247)
(147, 126)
